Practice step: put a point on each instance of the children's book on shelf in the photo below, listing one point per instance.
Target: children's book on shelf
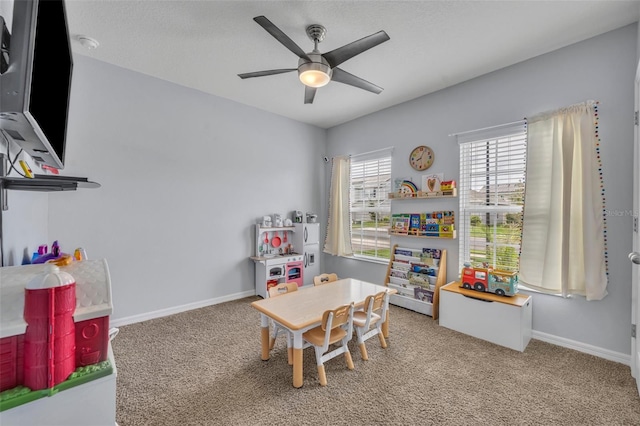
(428, 253)
(423, 294)
(399, 273)
(401, 265)
(433, 224)
(416, 267)
(414, 224)
(400, 223)
(417, 275)
(405, 252)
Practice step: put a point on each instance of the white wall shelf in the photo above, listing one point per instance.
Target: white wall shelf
(421, 195)
(397, 234)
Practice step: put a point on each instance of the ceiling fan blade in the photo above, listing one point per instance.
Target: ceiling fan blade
(341, 76)
(267, 72)
(348, 51)
(281, 37)
(309, 94)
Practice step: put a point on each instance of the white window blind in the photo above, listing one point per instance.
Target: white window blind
(370, 207)
(491, 191)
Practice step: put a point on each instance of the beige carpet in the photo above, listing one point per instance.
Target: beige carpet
(203, 367)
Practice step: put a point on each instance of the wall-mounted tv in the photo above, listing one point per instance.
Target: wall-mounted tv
(36, 85)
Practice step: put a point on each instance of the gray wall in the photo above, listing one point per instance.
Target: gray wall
(602, 69)
(184, 177)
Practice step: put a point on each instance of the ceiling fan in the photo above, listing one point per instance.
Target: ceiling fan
(317, 69)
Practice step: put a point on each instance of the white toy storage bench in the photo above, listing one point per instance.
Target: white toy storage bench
(503, 320)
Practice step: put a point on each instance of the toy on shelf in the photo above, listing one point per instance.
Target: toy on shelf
(56, 256)
(407, 189)
(433, 186)
(448, 187)
(502, 283)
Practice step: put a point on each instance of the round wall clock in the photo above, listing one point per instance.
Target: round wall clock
(421, 158)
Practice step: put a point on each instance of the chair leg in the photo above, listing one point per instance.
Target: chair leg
(383, 342)
(272, 342)
(290, 355)
(363, 351)
(347, 355)
(322, 376)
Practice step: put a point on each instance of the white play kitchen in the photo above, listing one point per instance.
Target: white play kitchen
(286, 250)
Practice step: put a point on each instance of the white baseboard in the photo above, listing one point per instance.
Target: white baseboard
(177, 309)
(583, 347)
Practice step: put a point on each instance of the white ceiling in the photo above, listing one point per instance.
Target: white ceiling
(433, 45)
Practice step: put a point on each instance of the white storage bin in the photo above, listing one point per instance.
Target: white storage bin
(503, 320)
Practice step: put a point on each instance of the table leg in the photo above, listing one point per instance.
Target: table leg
(264, 336)
(297, 359)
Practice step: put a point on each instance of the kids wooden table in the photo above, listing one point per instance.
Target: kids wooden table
(302, 310)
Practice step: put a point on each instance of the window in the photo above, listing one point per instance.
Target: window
(370, 209)
(492, 182)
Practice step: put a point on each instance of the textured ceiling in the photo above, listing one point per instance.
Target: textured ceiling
(433, 45)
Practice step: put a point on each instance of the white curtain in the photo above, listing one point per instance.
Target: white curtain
(563, 236)
(338, 241)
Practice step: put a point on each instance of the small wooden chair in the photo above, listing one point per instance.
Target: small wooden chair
(368, 322)
(337, 326)
(277, 329)
(282, 288)
(324, 279)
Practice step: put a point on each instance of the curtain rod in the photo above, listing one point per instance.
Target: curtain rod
(514, 123)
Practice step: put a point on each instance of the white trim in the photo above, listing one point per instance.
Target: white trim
(582, 347)
(492, 132)
(177, 309)
(370, 259)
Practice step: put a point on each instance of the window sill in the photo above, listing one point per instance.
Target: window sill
(522, 287)
(369, 259)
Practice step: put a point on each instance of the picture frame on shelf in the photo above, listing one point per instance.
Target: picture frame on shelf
(431, 182)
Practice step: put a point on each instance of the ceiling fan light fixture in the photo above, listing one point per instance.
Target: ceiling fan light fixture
(314, 74)
(317, 69)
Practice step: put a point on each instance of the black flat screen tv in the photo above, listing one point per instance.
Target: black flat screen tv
(35, 86)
